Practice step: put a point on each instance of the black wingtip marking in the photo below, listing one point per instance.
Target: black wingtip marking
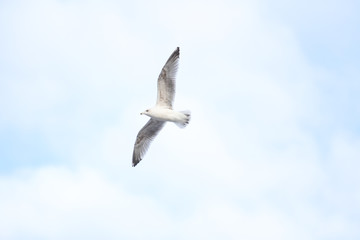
(136, 162)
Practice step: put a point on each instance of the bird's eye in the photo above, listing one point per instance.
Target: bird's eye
(146, 110)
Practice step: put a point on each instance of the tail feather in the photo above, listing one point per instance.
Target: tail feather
(186, 119)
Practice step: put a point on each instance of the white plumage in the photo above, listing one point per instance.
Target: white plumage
(162, 112)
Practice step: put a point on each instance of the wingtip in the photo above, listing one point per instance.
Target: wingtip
(135, 162)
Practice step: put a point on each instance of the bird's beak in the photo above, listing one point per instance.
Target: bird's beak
(141, 113)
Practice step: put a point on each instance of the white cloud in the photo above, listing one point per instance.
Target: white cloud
(60, 203)
(57, 203)
(246, 166)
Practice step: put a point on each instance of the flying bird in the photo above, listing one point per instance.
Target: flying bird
(162, 112)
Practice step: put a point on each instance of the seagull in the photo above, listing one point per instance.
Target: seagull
(162, 112)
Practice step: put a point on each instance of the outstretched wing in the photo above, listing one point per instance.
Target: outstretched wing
(144, 138)
(166, 81)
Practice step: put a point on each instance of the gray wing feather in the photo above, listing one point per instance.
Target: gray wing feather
(144, 138)
(166, 81)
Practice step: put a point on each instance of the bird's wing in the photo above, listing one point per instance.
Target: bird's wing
(166, 81)
(144, 138)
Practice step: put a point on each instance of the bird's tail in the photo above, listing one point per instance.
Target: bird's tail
(185, 119)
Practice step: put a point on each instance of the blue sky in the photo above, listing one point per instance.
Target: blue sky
(272, 151)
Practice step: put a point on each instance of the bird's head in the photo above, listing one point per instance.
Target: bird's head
(146, 112)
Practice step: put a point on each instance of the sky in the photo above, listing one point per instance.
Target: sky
(272, 150)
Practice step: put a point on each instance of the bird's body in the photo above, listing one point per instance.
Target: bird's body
(162, 112)
(166, 114)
